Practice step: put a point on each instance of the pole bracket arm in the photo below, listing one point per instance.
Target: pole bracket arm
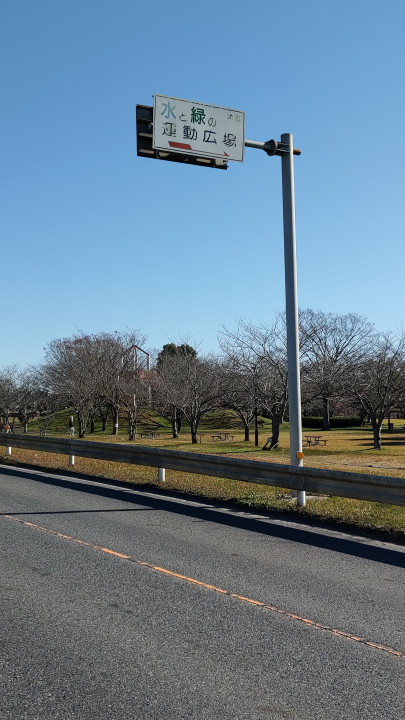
(272, 147)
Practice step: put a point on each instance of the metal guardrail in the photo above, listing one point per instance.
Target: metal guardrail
(330, 482)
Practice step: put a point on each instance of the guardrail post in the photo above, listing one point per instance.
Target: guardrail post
(161, 475)
(71, 460)
(8, 451)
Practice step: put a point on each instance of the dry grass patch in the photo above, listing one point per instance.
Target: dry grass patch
(349, 450)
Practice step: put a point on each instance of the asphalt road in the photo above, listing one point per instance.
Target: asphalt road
(205, 616)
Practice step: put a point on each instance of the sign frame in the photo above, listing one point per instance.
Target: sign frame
(181, 127)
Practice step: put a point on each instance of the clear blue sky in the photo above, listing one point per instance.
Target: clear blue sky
(95, 238)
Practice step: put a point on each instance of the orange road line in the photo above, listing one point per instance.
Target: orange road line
(184, 577)
(248, 600)
(111, 552)
(272, 608)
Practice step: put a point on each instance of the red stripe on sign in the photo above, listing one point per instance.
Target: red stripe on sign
(182, 146)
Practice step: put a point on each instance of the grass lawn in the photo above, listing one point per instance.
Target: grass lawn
(346, 449)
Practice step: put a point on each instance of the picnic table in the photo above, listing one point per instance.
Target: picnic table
(222, 436)
(314, 440)
(149, 434)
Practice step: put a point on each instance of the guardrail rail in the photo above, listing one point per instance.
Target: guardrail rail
(384, 489)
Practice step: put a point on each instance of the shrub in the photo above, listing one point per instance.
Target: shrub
(335, 422)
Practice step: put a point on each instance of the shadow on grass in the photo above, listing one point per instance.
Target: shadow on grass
(169, 502)
(384, 443)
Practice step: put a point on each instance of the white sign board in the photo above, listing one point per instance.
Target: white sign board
(198, 129)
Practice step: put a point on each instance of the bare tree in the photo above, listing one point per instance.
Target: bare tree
(377, 382)
(242, 374)
(18, 395)
(241, 394)
(135, 396)
(31, 395)
(91, 371)
(259, 354)
(9, 394)
(49, 405)
(103, 411)
(70, 371)
(162, 394)
(191, 384)
(163, 402)
(330, 345)
(118, 356)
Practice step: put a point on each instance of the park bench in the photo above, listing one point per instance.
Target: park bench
(311, 440)
(222, 436)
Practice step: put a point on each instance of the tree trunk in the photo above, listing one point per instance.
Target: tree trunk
(194, 429)
(82, 428)
(114, 413)
(92, 424)
(103, 417)
(275, 430)
(25, 426)
(376, 425)
(325, 413)
(245, 421)
(256, 431)
(174, 427)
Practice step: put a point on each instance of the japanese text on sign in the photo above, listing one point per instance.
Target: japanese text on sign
(198, 129)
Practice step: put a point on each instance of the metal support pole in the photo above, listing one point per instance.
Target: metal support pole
(290, 267)
(161, 475)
